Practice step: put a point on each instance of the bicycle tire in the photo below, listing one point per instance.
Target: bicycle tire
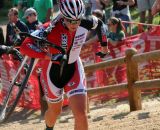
(7, 109)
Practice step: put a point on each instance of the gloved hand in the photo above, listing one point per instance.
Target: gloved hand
(57, 57)
(4, 49)
(102, 54)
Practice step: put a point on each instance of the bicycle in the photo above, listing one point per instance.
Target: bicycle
(17, 85)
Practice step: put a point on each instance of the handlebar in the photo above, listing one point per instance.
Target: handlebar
(10, 50)
(44, 41)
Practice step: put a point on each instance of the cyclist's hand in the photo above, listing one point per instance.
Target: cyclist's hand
(4, 49)
(57, 57)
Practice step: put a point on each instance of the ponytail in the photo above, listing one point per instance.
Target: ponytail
(118, 21)
(120, 26)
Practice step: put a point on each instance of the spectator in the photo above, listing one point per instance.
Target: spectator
(98, 4)
(44, 9)
(1, 36)
(156, 7)
(87, 8)
(31, 17)
(99, 14)
(116, 34)
(121, 10)
(55, 6)
(143, 7)
(14, 26)
(116, 31)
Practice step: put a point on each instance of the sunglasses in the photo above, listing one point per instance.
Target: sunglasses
(73, 21)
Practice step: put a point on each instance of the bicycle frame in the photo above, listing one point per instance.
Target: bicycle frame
(33, 62)
(3, 115)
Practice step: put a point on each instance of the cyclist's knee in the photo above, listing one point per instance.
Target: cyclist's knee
(80, 114)
(53, 112)
(55, 109)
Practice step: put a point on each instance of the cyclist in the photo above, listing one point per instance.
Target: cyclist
(69, 31)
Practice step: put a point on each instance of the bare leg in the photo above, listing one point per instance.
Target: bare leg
(150, 17)
(78, 104)
(53, 111)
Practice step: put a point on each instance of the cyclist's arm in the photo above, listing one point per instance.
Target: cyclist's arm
(3, 49)
(29, 47)
(31, 50)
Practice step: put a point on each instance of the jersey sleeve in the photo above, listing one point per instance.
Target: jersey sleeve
(93, 23)
(30, 49)
(29, 46)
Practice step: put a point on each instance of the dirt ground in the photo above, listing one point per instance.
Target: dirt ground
(114, 116)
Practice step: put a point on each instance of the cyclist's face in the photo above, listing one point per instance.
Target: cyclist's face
(72, 25)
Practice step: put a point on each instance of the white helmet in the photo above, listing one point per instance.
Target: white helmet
(72, 9)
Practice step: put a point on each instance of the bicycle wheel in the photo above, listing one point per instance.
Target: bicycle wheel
(11, 94)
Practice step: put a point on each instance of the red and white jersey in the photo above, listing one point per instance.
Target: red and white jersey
(71, 41)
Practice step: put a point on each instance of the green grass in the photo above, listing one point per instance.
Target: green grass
(136, 18)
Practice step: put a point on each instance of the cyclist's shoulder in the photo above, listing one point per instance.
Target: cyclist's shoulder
(89, 22)
(54, 22)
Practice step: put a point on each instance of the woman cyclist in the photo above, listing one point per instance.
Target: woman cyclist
(69, 31)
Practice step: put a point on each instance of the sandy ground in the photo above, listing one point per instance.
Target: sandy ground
(116, 116)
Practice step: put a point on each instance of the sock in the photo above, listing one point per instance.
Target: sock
(49, 128)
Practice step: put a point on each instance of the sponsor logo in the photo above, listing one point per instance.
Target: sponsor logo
(33, 47)
(59, 92)
(70, 84)
(64, 40)
(79, 37)
(78, 91)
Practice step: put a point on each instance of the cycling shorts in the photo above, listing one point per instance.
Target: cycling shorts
(72, 81)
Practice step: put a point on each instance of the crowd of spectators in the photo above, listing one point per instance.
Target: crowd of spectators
(28, 15)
